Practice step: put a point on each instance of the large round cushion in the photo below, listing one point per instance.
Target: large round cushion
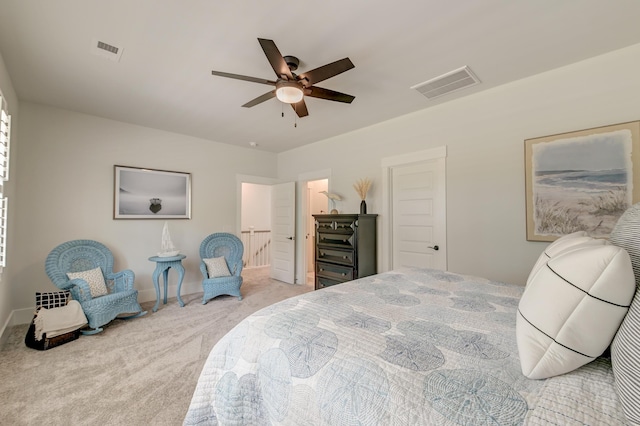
(561, 244)
(571, 309)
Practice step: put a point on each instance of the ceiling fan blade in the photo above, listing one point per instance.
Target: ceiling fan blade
(275, 58)
(330, 95)
(324, 72)
(244, 77)
(260, 99)
(300, 108)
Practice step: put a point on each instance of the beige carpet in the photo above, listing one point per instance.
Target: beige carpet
(137, 372)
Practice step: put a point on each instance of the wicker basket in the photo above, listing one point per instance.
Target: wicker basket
(49, 300)
(46, 342)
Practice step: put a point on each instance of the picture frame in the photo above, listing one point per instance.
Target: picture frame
(581, 180)
(141, 193)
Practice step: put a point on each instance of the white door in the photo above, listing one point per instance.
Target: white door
(283, 220)
(418, 214)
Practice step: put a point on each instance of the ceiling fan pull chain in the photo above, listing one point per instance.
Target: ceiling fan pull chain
(282, 110)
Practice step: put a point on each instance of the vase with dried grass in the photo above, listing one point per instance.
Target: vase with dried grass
(362, 186)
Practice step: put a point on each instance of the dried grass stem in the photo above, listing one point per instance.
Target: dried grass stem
(362, 186)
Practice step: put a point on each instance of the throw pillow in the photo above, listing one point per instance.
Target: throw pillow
(571, 309)
(52, 299)
(217, 267)
(561, 244)
(94, 278)
(625, 348)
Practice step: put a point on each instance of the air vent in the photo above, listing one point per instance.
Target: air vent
(106, 50)
(447, 83)
(108, 47)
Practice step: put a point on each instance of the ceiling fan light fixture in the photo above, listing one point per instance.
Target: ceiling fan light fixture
(289, 92)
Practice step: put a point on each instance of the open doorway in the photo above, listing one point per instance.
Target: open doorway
(317, 203)
(255, 225)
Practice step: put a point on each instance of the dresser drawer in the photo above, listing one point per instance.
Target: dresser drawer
(322, 282)
(343, 257)
(335, 272)
(336, 223)
(336, 240)
(324, 224)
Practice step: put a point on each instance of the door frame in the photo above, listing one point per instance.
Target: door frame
(387, 219)
(240, 179)
(301, 220)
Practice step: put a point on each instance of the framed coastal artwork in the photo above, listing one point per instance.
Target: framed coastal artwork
(151, 194)
(581, 181)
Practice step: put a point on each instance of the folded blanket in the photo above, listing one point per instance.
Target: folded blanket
(57, 321)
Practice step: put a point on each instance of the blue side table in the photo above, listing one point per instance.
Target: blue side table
(163, 264)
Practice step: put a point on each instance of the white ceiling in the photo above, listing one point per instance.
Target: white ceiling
(163, 79)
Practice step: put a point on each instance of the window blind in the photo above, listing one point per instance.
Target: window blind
(3, 230)
(5, 136)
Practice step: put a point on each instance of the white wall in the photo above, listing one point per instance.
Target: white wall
(6, 285)
(484, 135)
(318, 203)
(256, 207)
(66, 186)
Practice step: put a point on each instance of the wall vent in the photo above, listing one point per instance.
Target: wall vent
(106, 50)
(447, 83)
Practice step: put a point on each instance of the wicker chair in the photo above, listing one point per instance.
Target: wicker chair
(230, 247)
(84, 255)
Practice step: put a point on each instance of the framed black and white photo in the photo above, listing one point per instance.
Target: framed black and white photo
(151, 194)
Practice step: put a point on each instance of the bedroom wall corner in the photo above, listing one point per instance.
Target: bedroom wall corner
(7, 317)
(66, 174)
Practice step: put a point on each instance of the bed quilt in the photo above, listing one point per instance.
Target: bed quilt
(406, 347)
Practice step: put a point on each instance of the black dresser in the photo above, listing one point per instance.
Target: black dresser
(345, 247)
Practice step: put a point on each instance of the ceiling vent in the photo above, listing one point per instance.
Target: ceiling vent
(106, 50)
(447, 83)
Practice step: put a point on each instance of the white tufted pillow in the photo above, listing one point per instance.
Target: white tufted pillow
(571, 309)
(217, 267)
(561, 244)
(94, 278)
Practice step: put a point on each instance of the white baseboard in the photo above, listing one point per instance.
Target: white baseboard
(17, 317)
(24, 316)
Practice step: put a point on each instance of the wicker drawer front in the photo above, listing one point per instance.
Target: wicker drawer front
(322, 282)
(334, 272)
(333, 239)
(343, 257)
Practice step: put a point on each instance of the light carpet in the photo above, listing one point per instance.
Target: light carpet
(137, 372)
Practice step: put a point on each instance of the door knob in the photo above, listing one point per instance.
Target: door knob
(436, 248)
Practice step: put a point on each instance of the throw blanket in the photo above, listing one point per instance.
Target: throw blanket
(57, 321)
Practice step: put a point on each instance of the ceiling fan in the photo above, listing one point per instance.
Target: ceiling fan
(291, 88)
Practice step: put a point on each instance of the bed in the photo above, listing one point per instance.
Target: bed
(406, 347)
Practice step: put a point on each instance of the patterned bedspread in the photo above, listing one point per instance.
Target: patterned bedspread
(409, 347)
